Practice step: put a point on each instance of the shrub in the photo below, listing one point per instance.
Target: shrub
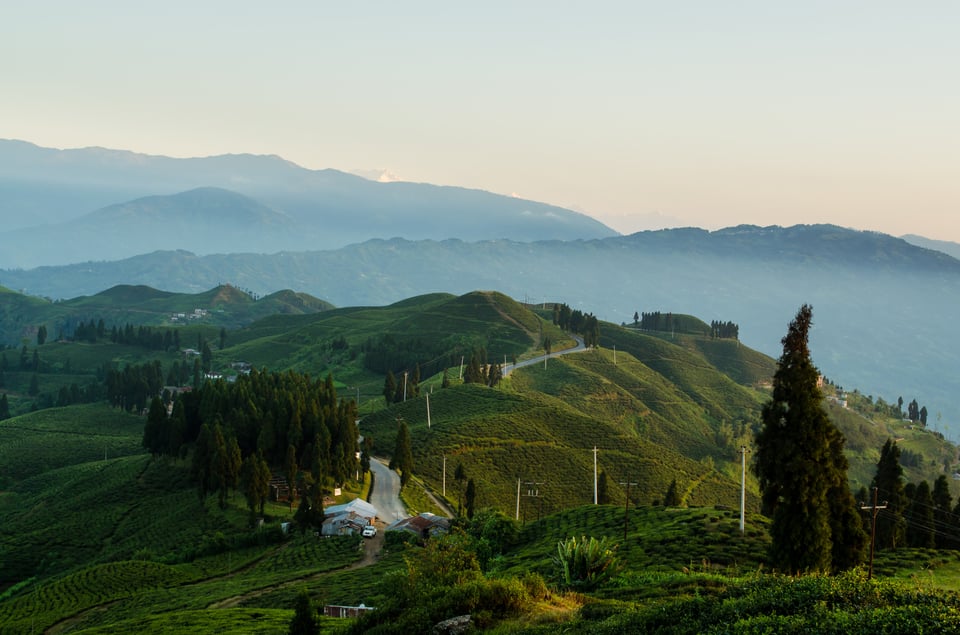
(585, 563)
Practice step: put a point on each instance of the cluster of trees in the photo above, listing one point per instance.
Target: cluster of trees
(276, 420)
(912, 514)
(479, 371)
(576, 321)
(724, 330)
(26, 363)
(388, 353)
(146, 337)
(656, 321)
(914, 412)
(132, 388)
(397, 391)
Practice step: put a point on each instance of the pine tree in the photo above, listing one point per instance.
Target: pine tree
(460, 476)
(292, 469)
(800, 464)
(304, 620)
(153, 429)
(672, 497)
(891, 526)
(942, 501)
(603, 489)
(4, 407)
(470, 499)
(402, 460)
(415, 381)
(920, 531)
(202, 465)
(389, 387)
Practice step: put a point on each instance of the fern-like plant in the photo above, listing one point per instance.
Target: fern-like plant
(587, 562)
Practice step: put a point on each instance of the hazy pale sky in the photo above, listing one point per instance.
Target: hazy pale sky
(641, 114)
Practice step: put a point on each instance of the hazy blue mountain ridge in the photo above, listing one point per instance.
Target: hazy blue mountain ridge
(42, 188)
(884, 310)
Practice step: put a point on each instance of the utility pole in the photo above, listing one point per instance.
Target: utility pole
(461, 368)
(444, 475)
(404, 385)
(626, 508)
(614, 354)
(874, 509)
(596, 500)
(533, 491)
(743, 484)
(428, 411)
(518, 499)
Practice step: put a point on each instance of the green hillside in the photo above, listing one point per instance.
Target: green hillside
(97, 536)
(222, 306)
(436, 331)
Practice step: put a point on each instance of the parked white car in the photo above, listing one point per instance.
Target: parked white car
(369, 531)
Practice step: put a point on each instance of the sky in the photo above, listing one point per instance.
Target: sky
(641, 114)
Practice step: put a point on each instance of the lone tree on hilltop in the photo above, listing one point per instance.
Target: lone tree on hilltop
(802, 470)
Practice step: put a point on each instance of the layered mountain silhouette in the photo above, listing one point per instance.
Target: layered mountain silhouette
(125, 203)
(884, 310)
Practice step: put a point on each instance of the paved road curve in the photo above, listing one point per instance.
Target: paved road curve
(539, 360)
(386, 492)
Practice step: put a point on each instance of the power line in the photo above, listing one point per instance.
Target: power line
(875, 509)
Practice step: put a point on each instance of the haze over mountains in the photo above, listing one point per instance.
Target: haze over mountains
(883, 308)
(138, 203)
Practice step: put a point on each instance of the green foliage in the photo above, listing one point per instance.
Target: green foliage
(304, 620)
(443, 580)
(847, 604)
(402, 460)
(585, 563)
(802, 470)
(891, 526)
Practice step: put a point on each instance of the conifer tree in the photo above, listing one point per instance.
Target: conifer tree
(891, 526)
(153, 429)
(415, 381)
(4, 407)
(802, 471)
(470, 498)
(942, 501)
(672, 497)
(304, 620)
(202, 466)
(389, 387)
(920, 530)
(402, 460)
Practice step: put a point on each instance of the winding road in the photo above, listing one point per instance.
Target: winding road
(509, 368)
(386, 492)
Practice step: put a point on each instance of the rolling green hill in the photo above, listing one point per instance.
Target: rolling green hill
(222, 306)
(98, 536)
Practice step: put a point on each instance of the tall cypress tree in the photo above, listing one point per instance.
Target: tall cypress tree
(942, 501)
(800, 465)
(891, 526)
(402, 460)
(920, 529)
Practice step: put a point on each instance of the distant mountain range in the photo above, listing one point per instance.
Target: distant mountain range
(884, 310)
(66, 206)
